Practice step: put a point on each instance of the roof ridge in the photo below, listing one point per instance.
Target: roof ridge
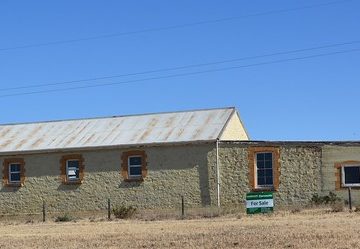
(117, 116)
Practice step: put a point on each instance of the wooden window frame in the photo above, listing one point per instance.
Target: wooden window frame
(137, 165)
(252, 152)
(263, 186)
(125, 165)
(6, 172)
(63, 169)
(340, 174)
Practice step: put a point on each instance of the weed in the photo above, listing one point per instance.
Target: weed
(64, 218)
(325, 199)
(124, 212)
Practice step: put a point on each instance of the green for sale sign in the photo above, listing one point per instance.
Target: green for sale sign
(259, 202)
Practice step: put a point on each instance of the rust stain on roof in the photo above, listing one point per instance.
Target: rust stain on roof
(4, 132)
(170, 121)
(37, 142)
(6, 143)
(186, 126)
(20, 144)
(34, 131)
(180, 132)
(90, 138)
(168, 134)
(149, 129)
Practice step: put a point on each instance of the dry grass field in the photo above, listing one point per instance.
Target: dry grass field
(307, 229)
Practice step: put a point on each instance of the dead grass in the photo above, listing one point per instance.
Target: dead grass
(303, 229)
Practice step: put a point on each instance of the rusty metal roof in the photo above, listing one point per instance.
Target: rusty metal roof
(187, 126)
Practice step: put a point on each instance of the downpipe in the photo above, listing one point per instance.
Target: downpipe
(217, 174)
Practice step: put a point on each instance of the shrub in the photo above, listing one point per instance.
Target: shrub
(64, 218)
(124, 212)
(326, 199)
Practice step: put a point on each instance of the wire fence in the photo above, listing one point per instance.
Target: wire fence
(109, 209)
(45, 212)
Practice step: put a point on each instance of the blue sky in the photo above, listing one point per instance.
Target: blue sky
(302, 99)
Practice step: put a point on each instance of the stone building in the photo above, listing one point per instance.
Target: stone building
(151, 160)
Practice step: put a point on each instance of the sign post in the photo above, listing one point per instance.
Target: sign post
(259, 202)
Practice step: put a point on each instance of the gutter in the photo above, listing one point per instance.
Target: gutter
(104, 147)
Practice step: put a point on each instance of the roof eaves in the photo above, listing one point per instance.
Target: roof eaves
(107, 147)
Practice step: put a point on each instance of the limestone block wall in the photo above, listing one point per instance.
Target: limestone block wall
(172, 171)
(189, 170)
(333, 154)
(234, 171)
(299, 173)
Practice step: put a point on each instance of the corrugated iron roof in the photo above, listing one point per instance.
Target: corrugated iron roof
(187, 126)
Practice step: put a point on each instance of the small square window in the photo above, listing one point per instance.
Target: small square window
(15, 169)
(72, 169)
(135, 166)
(351, 175)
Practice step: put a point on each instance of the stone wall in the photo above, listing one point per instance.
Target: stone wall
(336, 154)
(300, 178)
(189, 170)
(299, 173)
(172, 171)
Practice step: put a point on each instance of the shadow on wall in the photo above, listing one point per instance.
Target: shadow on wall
(204, 185)
(68, 187)
(158, 158)
(167, 158)
(9, 189)
(127, 185)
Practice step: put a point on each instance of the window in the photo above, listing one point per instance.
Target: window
(347, 174)
(14, 172)
(72, 169)
(133, 167)
(351, 175)
(264, 168)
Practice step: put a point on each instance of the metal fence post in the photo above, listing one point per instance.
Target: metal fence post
(350, 199)
(109, 209)
(44, 211)
(182, 207)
